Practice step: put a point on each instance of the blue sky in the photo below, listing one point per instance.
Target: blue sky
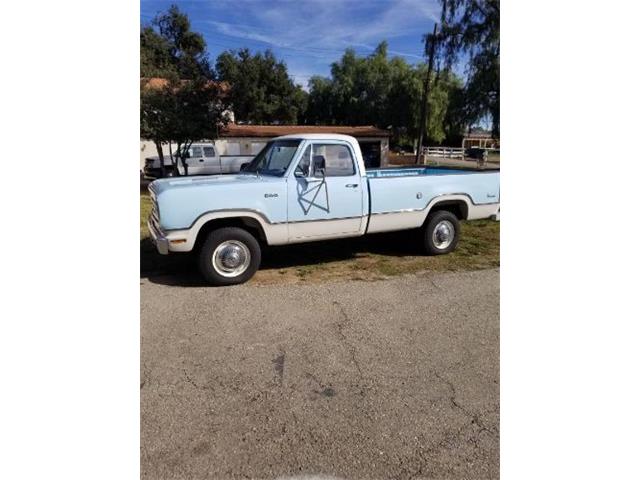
(307, 34)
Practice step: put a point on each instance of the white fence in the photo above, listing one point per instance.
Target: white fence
(438, 155)
(443, 152)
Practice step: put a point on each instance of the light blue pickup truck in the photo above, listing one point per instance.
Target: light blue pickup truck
(304, 188)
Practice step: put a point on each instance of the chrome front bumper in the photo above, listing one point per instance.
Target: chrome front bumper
(159, 240)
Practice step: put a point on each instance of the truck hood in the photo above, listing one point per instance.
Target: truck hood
(182, 200)
(166, 184)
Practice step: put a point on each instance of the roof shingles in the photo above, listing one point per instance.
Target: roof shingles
(269, 131)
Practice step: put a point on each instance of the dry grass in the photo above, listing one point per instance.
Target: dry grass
(367, 258)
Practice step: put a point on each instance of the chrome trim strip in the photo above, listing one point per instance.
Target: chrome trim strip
(466, 172)
(409, 210)
(261, 215)
(266, 219)
(158, 239)
(327, 219)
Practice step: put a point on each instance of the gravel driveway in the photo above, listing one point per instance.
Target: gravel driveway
(396, 378)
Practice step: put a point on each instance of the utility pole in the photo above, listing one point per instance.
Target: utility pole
(424, 107)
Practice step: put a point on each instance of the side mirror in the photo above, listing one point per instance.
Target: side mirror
(244, 166)
(319, 165)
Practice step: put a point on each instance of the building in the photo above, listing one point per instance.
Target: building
(480, 139)
(244, 140)
(249, 139)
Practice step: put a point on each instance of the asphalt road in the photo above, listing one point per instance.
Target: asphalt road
(389, 379)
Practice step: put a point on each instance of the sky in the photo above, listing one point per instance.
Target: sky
(308, 35)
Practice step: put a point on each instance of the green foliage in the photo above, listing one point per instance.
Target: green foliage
(446, 118)
(155, 56)
(180, 113)
(261, 89)
(188, 107)
(473, 27)
(384, 92)
(168, 47)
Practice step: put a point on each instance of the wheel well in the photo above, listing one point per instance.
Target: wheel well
(458, 207)
(249, 224)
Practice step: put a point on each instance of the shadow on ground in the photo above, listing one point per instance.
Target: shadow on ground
(181, 269)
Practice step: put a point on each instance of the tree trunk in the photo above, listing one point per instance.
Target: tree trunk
(183, 157)
(424, 107)
(160, 156)
(174, 163)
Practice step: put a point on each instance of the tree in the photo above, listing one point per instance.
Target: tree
(181, 112)
(182, 104)
(261, 89)
(473, 27)
(446, 120)
(168, 47)
(320, 106)
(403, 97)
(155, 55)
(154, 121)
(383, 92)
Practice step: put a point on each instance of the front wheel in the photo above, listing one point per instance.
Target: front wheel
(440, 233)
(229, 256)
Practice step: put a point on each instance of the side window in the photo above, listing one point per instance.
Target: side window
(196, 152)
(209, 152)
(338, 159)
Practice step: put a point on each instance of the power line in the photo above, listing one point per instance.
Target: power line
(313, 52)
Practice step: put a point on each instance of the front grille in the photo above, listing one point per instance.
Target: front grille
(155, 217)
(155, 212)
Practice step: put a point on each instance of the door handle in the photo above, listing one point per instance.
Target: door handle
(351, 185)
(201, 160)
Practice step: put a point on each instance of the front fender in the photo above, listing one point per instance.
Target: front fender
(275, 233)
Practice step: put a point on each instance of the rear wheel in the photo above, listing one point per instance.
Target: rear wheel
(229, 256)
(440, 233)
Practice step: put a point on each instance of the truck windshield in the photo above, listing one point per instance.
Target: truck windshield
(274, 158)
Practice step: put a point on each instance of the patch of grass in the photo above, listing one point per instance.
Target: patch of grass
(366, 258)
(302, 272)
(145, 211)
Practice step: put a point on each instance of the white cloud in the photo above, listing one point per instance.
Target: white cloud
(321, 29)
(311, 34)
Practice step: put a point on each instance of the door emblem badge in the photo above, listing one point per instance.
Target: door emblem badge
(270, 195)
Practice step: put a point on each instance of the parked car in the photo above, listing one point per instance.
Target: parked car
(303, 188)
(203, 159)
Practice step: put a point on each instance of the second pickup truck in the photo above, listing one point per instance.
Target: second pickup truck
(304, 188)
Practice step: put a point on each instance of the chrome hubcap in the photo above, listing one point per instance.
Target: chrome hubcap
(443, 234)
(231, 258)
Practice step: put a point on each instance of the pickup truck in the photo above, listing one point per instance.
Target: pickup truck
(202, 159)
(304, 188)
